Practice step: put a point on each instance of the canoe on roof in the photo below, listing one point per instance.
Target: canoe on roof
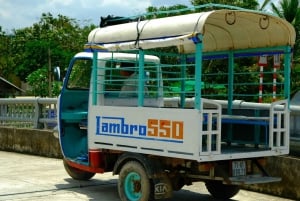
(221, 30)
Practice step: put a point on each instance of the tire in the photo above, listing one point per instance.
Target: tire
(76, 173)
(221, 191)
(134, 184)
(177, 183)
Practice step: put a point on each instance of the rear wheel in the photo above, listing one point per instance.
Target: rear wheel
(221, 191)
(134, 184)
(76, 173)
(177, 182)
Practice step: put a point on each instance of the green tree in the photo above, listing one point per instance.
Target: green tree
(5, 56)
(51, 42)
(38, 83)
(249, 4)
(290, 11)
(51, 39)
(163, 11)
(3, 38)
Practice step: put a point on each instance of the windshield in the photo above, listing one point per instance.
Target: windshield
(80, 74)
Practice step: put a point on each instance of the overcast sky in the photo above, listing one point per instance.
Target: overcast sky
(16, 14)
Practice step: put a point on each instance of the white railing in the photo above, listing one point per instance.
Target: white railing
(210, 137)
(279, 125)
(41, 113)
(28, 112)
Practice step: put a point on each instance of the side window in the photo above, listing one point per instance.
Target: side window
(80, 75)
(121, 79)
(113, 79)
(153, 80)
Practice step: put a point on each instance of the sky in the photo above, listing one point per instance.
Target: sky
(18, 14)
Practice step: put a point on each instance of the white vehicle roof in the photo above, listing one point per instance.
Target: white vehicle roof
(221, 30)
(118, 56)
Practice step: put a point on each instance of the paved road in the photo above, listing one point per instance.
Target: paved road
(25, 177)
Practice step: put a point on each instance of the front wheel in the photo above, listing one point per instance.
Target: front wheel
(76, 173)
(221, 191)
(134, 184)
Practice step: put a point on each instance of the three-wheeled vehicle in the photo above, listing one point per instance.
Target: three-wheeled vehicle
(167, 102)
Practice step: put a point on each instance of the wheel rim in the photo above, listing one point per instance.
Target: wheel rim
(132, 186)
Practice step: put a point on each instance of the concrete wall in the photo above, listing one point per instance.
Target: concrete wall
(288, 168)
(44, 143)
(30, 141)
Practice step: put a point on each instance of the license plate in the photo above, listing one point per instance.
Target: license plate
(238, 168)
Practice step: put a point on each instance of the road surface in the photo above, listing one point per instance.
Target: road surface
(33, 178)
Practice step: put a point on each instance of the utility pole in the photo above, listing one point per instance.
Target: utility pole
(49, 73)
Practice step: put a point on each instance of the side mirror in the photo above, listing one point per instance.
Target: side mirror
(56, 73)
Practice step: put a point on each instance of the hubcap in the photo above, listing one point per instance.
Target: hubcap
(132, 186)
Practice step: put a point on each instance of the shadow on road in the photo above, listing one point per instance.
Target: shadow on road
(96, 189)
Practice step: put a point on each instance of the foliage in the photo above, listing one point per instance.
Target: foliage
(163, 11)
(290, 11)
(48, 43)
(249, 4)
(80, 75)
(5, 59)
(53, 40)
(38, 82)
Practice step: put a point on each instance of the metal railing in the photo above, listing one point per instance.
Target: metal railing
(41, 113)
(37, 113)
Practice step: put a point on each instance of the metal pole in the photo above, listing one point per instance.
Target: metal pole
(49, 73)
